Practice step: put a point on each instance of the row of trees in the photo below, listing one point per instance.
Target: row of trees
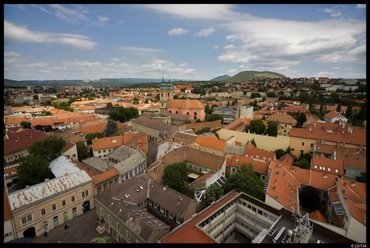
(258, 127)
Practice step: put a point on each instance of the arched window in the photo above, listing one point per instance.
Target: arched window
(177, 112)
(195, 113)
(74, 212)
(56, 221)
(65, 216)
(187, 113)
(170, 111)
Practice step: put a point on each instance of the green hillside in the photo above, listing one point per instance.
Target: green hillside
(248, 75)
(221, 78)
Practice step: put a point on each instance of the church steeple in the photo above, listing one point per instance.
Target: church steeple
(169, 80)
(163, 80)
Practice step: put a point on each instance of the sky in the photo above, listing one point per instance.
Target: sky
(183, 41)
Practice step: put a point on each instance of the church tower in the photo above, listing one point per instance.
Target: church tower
(166, 93)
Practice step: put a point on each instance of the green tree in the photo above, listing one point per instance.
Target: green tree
(256, 126)
(214, 117)
(279, 153)
(212, 193)
(245, 181)
(109, 105)
(208, 110)
(100, 240)
(33, 170)
(82, 151)
(91, 136)
(272, 128)
(111, 129)
(349, 110)
(362, 177)
(303, 163)
(309, 198)
(50, 148)
(26, 124)
(339, 107)
(254, 143)
(175, 176)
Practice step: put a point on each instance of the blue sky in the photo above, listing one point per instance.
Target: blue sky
(195, 42)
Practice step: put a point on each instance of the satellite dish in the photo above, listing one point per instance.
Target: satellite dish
(289, 232)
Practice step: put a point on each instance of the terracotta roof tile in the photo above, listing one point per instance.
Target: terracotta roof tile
(107, 142)
(22, 140)
(187, 104)
(327, 165)
(332, 132)
(210, 141)
(111, 173)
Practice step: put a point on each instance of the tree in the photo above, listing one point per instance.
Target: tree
(349, 110)
(309, 198)
(302, 118)
(214, 117)
(256, 126)
(100, 240)
(208, 110)
(91, 136)
(254, 143)
(82, 151)
(109, 105)
(272, 128)
(212, 193)
(303, 163)
(175, 176)
(339, 107)
(111, 129)
(362, 177)
(279, 153)
(123, 114)
(50, 148)
(26, 124)
(33, 170)
(245, 181)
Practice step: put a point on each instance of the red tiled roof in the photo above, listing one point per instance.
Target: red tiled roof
(22, 140)
(333, 114)
(316, 215)
(112, 172)
(331, 132)
(327, 165)
(187, 104)
(107, 142)
(210, 141)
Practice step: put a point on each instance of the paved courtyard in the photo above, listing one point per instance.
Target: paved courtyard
(81, 229)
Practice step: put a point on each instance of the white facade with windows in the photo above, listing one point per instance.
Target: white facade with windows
(40, 208)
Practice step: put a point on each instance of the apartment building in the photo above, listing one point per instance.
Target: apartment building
(240, 218)
(140, 210)
(303, 139)
(40, 208)
(17, 143)
(285, 122)
(101, 147)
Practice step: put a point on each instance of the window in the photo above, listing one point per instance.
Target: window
(128, 234)
(118, 225)
(178, 220)
(109, 218)
(172, 216)
(26, 219)
(156, 205)
(43, 211)
(311, 144)
(162, 210)
(63, 203)
(99, 151)
(302, 143)
(73, 198)
(85, 193)
(101, 211)
(54, 207)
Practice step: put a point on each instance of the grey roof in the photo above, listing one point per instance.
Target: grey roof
(97, 163)
(129, 160)
(234, 149)
(156, 125)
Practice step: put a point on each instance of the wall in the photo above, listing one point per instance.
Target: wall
(264, 142)
(199, 126)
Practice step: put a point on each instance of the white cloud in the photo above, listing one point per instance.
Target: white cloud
(204, 32)
(177, 32)
(12, 57)
(198, 11)
(13, 32)
(361, 6)
(115, 60)
(41, 8)
(215, 47)
(230, 46)
(139, 49)
(70, 15)
(333, 12)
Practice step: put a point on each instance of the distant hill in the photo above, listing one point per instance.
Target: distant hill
(221, 78)
(248, 75)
